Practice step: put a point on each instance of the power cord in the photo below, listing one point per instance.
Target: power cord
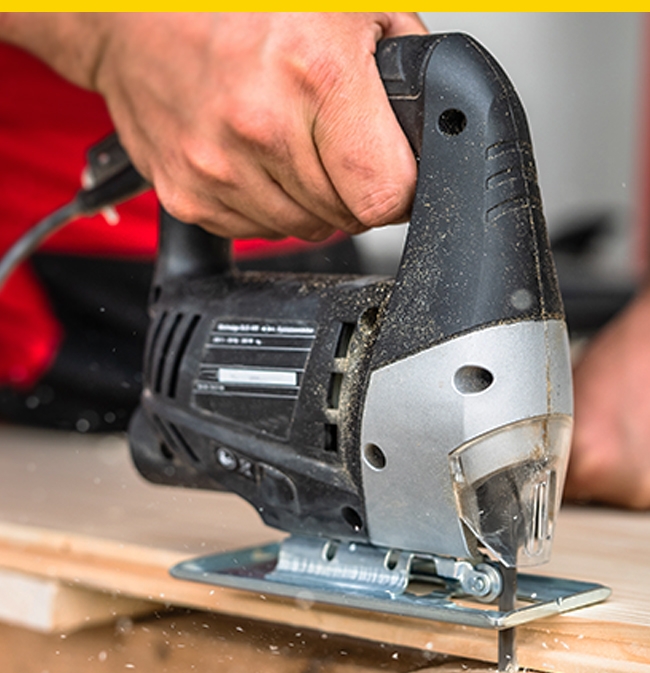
(111, 179)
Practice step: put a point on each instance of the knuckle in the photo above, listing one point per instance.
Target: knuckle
(316, 234)
(639, 497)
(316, 72)
(259, 128)
(242, 124)
(319, 74)
(269, 235)
(183, 209)
(181, 204)
(287, 220)
(225, 227)
(285, 217)
(382, 205)
(208, 163)
(301, 226)
(353, 228)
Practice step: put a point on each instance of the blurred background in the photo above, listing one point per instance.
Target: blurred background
(580, 77)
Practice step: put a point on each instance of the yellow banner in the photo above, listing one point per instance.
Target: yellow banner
(246, 6)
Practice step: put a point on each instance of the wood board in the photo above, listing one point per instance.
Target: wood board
(180, 641)
(72, 508)
(48, 604)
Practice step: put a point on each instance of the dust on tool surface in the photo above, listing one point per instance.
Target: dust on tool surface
(402, 430)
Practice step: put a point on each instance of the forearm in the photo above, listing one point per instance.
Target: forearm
(249, 124)
(70, 43)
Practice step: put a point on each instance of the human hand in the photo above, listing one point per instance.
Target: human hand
(248, 124)
(610, 460)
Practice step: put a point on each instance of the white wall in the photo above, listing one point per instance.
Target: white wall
(578, 76)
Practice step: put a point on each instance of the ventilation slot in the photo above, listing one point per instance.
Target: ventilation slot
(164, 352)
(181, 441)
(154, 341)
(334, 392)
(167, 443)
(166, 452)
(331, 430)
(345, 337)
(180, 353)
(331, 437)
(172, 440)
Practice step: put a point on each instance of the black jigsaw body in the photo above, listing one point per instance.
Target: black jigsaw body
(257, 388)
(258, 383)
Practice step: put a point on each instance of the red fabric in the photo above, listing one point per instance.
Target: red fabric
(29, 333)
(46, 126)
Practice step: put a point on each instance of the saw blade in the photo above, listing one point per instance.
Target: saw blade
(507, 637)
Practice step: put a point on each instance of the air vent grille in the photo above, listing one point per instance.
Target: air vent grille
(180, 354)
(169, 343)
(173, 442)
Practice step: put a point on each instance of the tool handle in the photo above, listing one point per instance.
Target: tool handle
(188, 250)
(477, 251)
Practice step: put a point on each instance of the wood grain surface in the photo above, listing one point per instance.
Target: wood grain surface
(48, 604)
(185, 641)
(72, 508)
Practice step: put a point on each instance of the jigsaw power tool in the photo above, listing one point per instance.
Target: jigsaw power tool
(415, 428)
(429, 413)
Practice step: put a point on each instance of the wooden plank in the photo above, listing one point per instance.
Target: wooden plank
(181, 642)
(50, 605)
(72, 508)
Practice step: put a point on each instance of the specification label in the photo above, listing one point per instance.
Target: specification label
(251, 371)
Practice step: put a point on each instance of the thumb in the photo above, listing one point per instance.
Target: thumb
(361, 144)
(404, 23)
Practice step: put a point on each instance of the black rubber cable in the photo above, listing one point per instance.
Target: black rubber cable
(115, 188)
(32, 238)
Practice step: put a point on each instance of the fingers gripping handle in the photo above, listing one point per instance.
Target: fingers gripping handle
(402, 65)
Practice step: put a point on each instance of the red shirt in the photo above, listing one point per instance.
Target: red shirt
(46, 126)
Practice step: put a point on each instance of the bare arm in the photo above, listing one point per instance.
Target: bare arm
(248, 124)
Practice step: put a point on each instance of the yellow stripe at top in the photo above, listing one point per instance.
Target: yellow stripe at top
(249, 5)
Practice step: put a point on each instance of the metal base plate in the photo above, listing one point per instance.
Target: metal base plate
(249, 569)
